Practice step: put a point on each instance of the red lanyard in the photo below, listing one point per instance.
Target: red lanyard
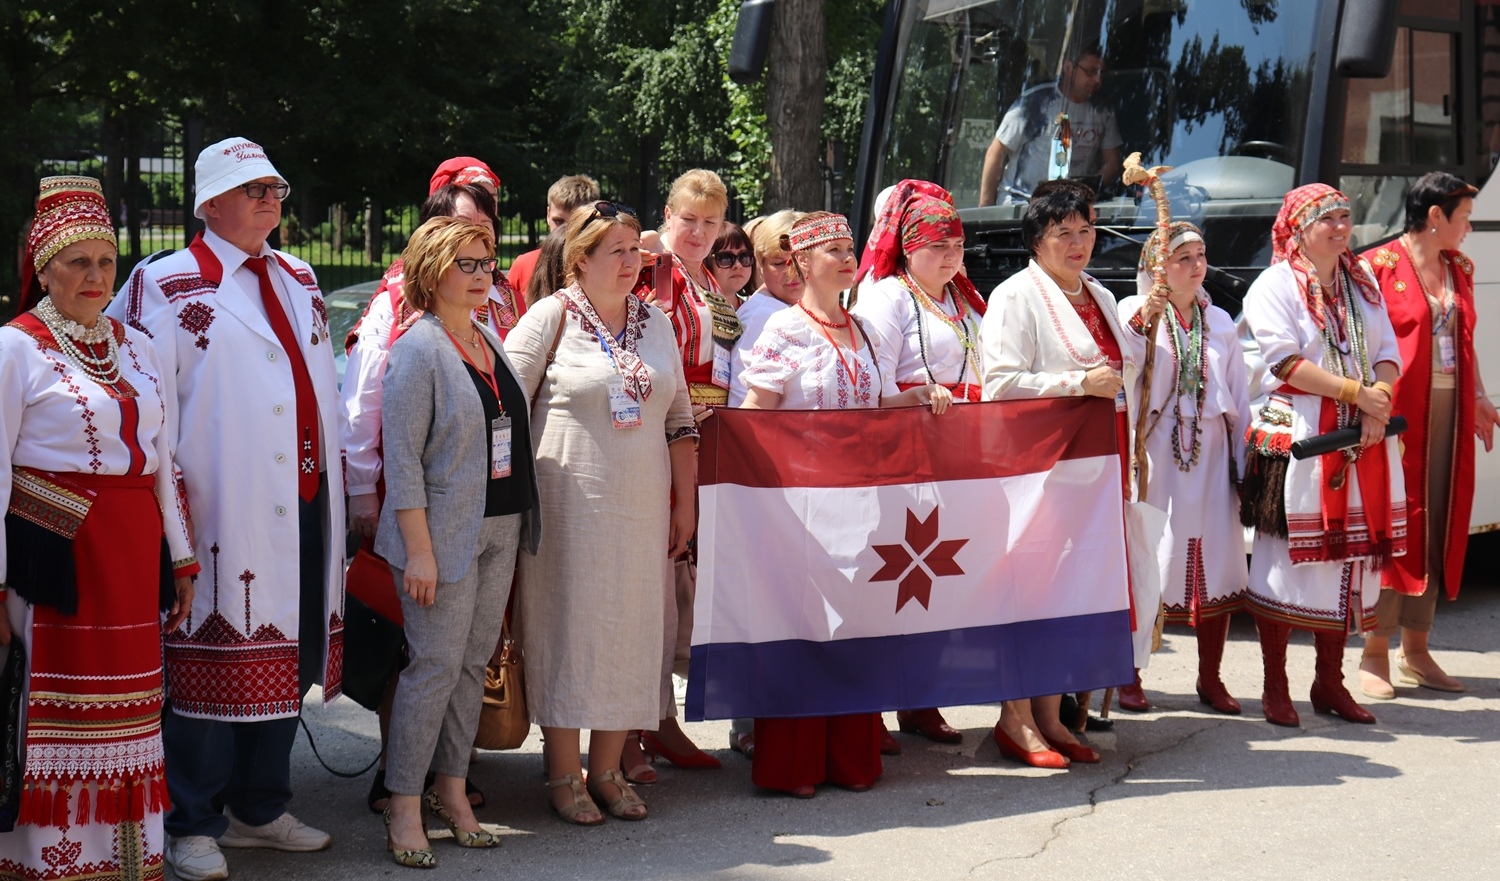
(487, 375)
(848, 322)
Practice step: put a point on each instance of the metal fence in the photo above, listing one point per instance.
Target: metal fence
(145, 166)
(146, 182)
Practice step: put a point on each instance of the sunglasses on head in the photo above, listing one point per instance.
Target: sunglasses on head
(607, 209)
(726, 259)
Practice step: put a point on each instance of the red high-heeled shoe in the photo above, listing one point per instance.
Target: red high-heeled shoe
(1075, 752)
(1042, 758)
(697, 760)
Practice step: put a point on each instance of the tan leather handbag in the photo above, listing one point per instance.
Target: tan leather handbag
(503, 723)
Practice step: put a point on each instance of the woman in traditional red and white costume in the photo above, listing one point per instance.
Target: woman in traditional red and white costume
(1428, 285)
(923, 316)
(816, 356)
(678, 283)
(1198, 407)
(1325, 526)
(96, 542)
(1051, 331)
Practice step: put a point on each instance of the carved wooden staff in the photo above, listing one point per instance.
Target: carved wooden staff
(1135, 173)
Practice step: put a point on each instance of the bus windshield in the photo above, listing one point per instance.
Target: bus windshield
(990, 98)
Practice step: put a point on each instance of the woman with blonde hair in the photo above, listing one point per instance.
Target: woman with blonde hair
(816, 356)
(780, 288)
(614, 437)
(706, 328)
(460, 483)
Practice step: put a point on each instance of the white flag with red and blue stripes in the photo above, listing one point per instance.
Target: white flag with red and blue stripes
(866, 560)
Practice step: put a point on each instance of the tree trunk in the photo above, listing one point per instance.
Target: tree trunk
(337, 221)
(796, 81)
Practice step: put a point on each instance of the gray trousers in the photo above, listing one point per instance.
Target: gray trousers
(439, 695)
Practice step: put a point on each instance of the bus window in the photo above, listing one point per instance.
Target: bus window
(990, 97)
(1399, 128)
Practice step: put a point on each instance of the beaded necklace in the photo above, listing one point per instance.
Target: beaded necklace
(1057, 324)
(960, 325)
(1346, 337)
(77, 343)
(1190, 357)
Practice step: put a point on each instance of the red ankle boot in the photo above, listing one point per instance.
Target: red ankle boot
(1132, 697)
(1212, 632)
(1276, 700)
(1328, 692)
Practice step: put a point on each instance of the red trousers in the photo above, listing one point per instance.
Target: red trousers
(790, 753)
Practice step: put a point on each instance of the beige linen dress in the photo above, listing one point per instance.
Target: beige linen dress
(590, 602)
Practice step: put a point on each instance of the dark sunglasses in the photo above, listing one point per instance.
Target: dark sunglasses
(470, 265)
(260, 191)
(609, 210)
(726, 259)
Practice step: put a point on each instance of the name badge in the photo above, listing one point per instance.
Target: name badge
(721, 365)
(625, 410)
(500, 448)
(1446, 354)
(1120, 401)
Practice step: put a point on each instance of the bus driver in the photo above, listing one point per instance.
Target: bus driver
(1053, 131)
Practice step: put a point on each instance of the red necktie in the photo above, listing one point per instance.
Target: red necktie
(307, 402)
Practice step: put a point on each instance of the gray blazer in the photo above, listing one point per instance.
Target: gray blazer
(435, 444)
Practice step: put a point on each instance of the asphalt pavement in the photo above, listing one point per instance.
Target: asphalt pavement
(1182, 793)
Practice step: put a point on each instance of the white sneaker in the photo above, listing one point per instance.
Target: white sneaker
(286, 832)
(196, 858)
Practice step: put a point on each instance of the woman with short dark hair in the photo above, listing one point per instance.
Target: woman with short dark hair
(1050, 331)
(732, 264)
(1428, 285)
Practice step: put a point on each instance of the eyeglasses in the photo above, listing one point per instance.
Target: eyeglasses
(471, 265)
(259, 191)
(607, 209)
(726, 259)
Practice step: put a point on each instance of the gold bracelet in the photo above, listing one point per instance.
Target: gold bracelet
(1385, 387)
(1349, 393)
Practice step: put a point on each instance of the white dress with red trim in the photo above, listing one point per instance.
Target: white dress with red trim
(796, 361)
(917, 347)
(231, 393)
(368, 345)
(89, 464)
(1202, 567)
(1296, 580)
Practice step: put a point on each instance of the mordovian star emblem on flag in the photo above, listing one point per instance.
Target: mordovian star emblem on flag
(918, 559)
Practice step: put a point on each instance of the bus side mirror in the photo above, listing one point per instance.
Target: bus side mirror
(752, 34)
(1367, 39)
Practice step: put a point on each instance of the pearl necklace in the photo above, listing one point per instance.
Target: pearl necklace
(76, 342)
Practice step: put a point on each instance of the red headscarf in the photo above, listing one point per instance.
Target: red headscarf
(462, 170)
(916, 213)
(1302, 208)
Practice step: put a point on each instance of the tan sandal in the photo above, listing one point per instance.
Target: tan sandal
(581, 804)
(624, 806)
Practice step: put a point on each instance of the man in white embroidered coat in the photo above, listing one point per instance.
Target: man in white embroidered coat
(252, 397)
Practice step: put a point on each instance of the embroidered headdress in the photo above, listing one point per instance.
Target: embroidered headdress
(1302, 208)
(69, 209)
(817, 229)
(462, 170)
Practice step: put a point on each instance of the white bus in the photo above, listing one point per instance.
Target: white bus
(1246, 99)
